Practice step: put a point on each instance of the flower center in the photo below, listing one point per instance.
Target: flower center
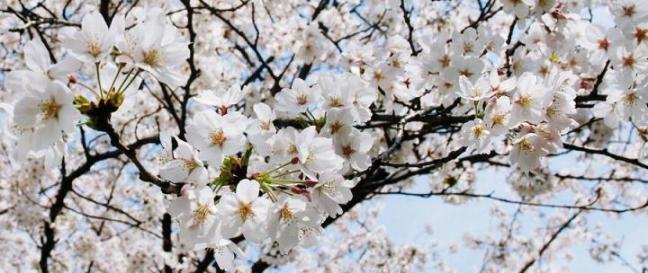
(336, 126)
(50, 109)
(641, 34)
(468, 47)
(628, 11)
(292, 149)
(554, 57)
(466, 72)
(302, 99)
(285, 214)
(445, 60)
(308, 48)
(201, 213)
(498, 119)
(190, 164)
(335, 102)
(603, 44)
(478, 131)
(245, 211)
(524, 101)
(525, 145)
(378, 76)
(628, 61)
(94, 49)
(631, 98)
(217, 138)
(347, 150)
(448, 85)
(151, 57)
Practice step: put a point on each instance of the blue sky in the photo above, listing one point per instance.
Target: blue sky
(405, 218)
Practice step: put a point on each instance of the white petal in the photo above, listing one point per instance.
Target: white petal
(94, 23)
(224, 258)
(175, 171)
(26, 111)
(247, 190)
(36, 56)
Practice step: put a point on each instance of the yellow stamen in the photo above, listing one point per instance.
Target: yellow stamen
(525, 145)
(245, 211)
(335, 102)
(336, 126)
(190, 164)
(478, 131)
(285, 214)
(218, 138)
(498, 119)
(94, 49)
(524, 101)
(151, 57)
(201, 213)
(631, 98)
(50, 109)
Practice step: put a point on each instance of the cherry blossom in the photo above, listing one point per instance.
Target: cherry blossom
(216, 136)
(243, 211)
(43, 115)
(95, 40)
(238, 136)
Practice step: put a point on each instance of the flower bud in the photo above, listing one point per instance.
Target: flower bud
(82, 104)
(72, 79)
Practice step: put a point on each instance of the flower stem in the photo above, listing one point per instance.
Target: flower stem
(99, 79)
(121, 66)
(286, 173)
(279, 167)
(88, 87)
(131, 81)
(269, 191)
(125, 79)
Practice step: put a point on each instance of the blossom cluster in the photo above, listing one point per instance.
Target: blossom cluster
(270, 126)
(240, 174)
